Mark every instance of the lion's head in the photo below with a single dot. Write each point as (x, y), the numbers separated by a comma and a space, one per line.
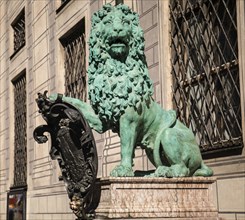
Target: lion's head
(118, 74)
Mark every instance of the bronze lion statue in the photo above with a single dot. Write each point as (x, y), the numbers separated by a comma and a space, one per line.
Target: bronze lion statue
(120, 93)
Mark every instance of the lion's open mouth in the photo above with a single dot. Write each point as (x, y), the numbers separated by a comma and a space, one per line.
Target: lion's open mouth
(118, 47)
(117, 42)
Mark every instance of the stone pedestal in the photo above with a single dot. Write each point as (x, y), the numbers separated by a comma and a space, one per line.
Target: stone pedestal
(157, 198)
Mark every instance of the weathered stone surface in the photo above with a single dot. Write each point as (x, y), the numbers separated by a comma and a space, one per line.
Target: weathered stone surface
(137, 197)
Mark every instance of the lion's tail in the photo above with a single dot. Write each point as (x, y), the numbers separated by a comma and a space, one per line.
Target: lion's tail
(156, 153)
(168, 120)
(203, 171)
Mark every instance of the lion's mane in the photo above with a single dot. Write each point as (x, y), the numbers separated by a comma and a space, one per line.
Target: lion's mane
(114, 85)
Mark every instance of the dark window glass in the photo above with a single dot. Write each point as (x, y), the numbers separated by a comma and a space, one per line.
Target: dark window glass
(117, 2)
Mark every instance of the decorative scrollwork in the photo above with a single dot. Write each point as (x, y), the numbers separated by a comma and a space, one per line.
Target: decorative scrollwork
(73, 146)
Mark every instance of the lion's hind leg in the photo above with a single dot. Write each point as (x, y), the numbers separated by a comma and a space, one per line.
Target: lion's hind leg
(204, 170)
(170, 154)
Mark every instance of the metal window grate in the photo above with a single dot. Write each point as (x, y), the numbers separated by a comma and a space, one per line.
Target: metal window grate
(75, 68)
(205, 71)
(20, 142)
(19, 31)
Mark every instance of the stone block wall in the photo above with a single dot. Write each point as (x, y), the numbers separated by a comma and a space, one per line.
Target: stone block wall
(46, 196)
(43, 59)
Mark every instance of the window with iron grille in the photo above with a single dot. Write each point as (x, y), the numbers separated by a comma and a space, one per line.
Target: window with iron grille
(19, 31)
(205, 71)
(75, 62)
(20, 141)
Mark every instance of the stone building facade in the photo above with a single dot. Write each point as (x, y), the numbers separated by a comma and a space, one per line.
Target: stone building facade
(36, 38)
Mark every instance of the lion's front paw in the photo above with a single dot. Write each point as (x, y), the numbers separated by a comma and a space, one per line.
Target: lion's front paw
(53, 97)
(161, 171)
(177, 170)
(122, 171)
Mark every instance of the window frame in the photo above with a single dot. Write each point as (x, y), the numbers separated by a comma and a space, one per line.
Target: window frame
(241, 57)
(19, 181)
(238, 149)
(71, 37)
(22, 14)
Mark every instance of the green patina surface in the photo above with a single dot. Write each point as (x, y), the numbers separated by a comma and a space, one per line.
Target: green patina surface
(120, 93)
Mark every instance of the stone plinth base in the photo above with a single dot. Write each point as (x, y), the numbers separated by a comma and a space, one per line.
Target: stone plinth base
(138, 197)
